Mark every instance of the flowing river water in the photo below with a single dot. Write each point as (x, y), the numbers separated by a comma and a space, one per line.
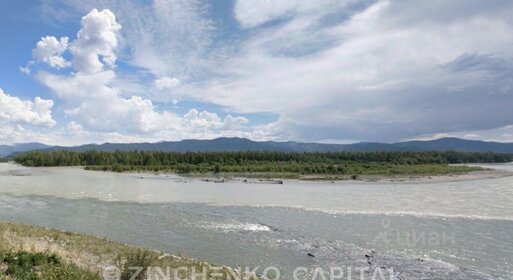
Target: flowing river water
(422, 230)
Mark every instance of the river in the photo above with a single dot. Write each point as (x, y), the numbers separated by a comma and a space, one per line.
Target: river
(452, 230)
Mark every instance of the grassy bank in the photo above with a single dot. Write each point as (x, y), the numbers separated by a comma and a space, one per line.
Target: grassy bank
(346, 171)
(27, 265)
(30, 252)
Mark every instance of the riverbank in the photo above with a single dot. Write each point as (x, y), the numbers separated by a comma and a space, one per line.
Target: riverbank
(466, 173)
(350, 171)
(437, 174)
(385, 172)
(91, 255)
(447, 178)
(262, 164)
(269, 178)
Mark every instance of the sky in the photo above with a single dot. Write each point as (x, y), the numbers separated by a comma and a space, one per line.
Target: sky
(331, 71)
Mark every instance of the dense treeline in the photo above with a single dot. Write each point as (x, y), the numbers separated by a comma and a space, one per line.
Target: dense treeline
(301, 163)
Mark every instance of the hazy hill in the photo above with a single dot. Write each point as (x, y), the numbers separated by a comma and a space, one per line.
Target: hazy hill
(6, 150)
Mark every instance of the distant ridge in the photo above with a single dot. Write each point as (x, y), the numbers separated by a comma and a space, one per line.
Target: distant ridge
(6, 150)
(242, 144)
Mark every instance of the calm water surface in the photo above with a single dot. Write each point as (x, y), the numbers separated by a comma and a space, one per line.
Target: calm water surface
(456, 230)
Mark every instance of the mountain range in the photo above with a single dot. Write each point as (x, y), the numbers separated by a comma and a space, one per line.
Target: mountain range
(7, 150)
(242, 144)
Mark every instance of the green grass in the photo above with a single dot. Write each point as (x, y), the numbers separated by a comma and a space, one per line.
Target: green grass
(35, 266)
(32, 252)
(294, 170)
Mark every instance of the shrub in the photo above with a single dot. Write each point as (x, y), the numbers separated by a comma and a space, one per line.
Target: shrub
(36, 266)
(136, 259)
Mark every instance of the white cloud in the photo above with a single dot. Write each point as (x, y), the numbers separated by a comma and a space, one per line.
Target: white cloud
(25, 70)
(50, 50)
(96, 42)
(382, 70)
(17, 134)
(17, 111)
(194, 124)
(381, 77)
(77, 87)
(96, 107)
(471, 136)
(93, 102)
(251, 13)
(166, 83)
(75, 130)
(171, 37)
(205, 120)
(231, 122)
(90, 98)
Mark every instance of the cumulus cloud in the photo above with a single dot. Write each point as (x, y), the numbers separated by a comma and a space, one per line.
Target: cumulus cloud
(75, 130)
(231, 122)
(98, 109)
(77, 87)
(17, 111)
(166, 83)
(89, 96)
(94, 103)
(16, 133)
(96, 42)
(205, 120)
(50, 50)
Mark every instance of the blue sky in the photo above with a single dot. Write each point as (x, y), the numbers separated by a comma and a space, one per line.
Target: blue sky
(330, 71)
